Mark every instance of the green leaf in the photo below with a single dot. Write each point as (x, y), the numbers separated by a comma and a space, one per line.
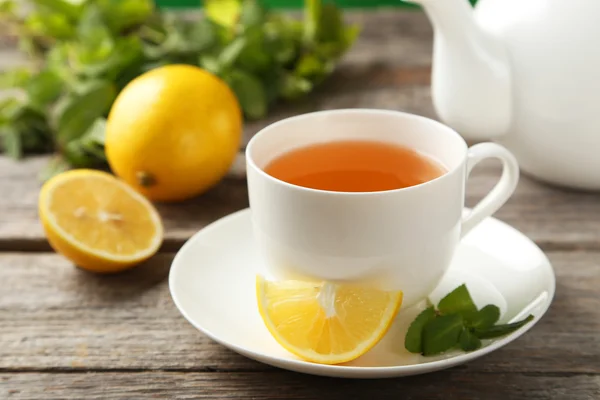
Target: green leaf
(92, 142)
(8, 109)
(331, 27)
(27, 127)
(11, 142)
(413, 340)
(182, 41)
(468, 341)
(501, 330)
(97, 132)
(54, 25)
(91, 27)
(250, 93)
(312, 67)
(202, 35)
(252, 13)
(312, 20)
(486, 317)
(44, 88)
(121, 15)
(95, 42)
(71, 9)
(230, 54)
(254, 56)
(283, 39)
(7, 7)
(127, 52)
(77, 156)
(88, 150)
(458, 301)
(223, 12)
(211, 64)
(15, 78)
(294, 87)
(76, 113)
(441, 334)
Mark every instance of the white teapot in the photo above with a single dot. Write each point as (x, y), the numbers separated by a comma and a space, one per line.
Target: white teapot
(524, 73)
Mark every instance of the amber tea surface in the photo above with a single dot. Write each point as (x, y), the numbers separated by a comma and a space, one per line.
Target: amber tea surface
(355, 166)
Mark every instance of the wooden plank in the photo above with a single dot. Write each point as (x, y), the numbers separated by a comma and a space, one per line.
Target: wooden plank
(554, 218)
(54, 317)
(454, 385)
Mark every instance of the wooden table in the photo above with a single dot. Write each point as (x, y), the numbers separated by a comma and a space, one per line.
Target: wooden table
(68, 334)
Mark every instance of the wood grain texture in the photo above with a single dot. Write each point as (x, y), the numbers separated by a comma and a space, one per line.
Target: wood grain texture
(69, 334)
(277, 385)
(554, 218)
(54, 317)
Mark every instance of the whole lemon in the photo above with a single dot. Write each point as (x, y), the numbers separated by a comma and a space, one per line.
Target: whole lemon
(173, 132)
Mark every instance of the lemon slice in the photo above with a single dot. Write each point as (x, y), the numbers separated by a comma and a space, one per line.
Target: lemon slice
(324, 322)
(97, 221)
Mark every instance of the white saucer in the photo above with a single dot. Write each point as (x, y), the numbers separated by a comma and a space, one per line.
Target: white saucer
(212, 282)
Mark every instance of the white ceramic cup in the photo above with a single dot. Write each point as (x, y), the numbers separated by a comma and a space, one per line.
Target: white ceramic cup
(401, 239)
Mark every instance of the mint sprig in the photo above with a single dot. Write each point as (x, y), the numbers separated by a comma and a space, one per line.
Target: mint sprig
(456, 323)
(83, 53)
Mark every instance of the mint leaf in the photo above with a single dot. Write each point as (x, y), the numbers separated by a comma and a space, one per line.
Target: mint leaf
(250, 93)
(255, 57)
(312, 19)
(126, 52)
(458, 301)
(51, 24)
(413, 340)
(70, 9)
(331, 27)
(202, 35)
(501, 330)
(486, 317)
(211, 64)
(230, 54)
(223, 12)
(77, 156)
(293, 87)
(310, 66)
(14, 78)
(44, 88)
(441, 334)
(123, 14)
(75, 114)
(468, 341)
(253, 13)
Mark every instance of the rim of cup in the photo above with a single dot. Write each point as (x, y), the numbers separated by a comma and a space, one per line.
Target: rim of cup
(276, 125)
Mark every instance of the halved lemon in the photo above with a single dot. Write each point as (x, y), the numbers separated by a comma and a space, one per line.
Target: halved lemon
(97, 221)
(326, 323)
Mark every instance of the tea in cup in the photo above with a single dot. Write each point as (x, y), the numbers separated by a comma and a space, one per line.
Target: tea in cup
(364, 195)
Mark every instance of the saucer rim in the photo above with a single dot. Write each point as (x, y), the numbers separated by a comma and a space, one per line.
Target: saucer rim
(351, 371)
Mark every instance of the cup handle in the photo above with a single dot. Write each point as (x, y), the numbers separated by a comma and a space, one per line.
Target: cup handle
(503, 189)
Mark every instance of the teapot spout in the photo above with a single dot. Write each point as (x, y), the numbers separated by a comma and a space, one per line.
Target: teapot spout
(471, 77)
